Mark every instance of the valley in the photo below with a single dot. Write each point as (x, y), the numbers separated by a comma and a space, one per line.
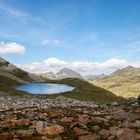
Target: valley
(88, 112)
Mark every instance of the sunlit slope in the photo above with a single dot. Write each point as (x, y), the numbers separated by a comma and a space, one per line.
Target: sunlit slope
(125, 82)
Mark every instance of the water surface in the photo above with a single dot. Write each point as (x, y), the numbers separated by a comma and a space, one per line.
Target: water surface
(44, 88)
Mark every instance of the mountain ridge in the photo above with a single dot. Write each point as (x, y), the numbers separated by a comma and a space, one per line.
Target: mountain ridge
(124, 82)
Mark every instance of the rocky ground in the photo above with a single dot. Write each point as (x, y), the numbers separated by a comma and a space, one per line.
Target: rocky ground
(23, 118)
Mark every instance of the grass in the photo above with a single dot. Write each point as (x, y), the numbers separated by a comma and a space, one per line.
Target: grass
(86, 91)
(120, 85)
(83, 90)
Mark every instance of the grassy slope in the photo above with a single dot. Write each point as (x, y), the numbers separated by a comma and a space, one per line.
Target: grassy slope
(83, 90)
(87, 91)
(7, 84)
(125, 82)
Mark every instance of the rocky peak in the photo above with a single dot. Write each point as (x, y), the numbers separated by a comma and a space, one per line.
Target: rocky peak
(65, 73)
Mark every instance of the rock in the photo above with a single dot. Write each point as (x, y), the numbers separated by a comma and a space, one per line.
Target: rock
(43, 116)
(137, 136)
(137, 110)
(83, 118)
(56, 138)
(99, 119)
(128, 134)
(55, 114)
(88, 137)
(67, 119)
(55, 129)
(113, 130)
(111, 137)
(50, 130)
(96, 128)
(9, 117)
(24, 133)
(114, 103)
(132, 101)
(127, 115)
(6, 136)
(22, 122)
(79, 131)
(104, 133)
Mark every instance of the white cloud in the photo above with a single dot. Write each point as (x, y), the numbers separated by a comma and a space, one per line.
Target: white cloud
(11, 11)
(53, 42)
(11, 48)
(18, 14)
(83, 67)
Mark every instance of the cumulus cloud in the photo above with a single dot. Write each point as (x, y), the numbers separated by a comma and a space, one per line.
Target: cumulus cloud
(11, 48)
(53, 42)
(83, 67)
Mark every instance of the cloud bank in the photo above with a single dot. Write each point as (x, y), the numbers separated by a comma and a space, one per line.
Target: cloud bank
(83, 67)
(11, 48)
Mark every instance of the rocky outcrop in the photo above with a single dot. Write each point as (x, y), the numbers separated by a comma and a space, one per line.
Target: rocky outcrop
(9, 70)
(67, 73)
(64, 118)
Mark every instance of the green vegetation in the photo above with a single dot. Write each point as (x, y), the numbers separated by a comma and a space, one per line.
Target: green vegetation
(83, 90)
(86, 91)
(7, 86)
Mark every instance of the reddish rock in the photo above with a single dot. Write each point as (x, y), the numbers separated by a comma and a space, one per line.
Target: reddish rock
(67, 119)
(128, 134)
(79, 131)
(104, 133)
(83, 118)
(9, 117)
(52, 130)
(55, 114)
(6, 136)
(42, 131)
(24, 133)
(137, 136)
(88, 137)
(55, 129)
(137, 110)
(22, 122)
(56, 138)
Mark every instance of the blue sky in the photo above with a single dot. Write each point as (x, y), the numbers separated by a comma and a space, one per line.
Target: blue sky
(70, 30)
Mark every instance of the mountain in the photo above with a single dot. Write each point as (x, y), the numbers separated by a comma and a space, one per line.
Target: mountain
(93, 77)
(11, 76)
(124, 82)
(86, 91)
(67, 73)
(48, 75)
(13, 73)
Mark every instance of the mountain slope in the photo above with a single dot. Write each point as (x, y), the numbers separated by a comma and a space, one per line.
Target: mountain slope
(125, 82)
(67, 73)
(86, 91)
(10, 71)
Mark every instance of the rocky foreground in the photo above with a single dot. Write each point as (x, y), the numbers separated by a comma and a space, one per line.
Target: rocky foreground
(23, 118)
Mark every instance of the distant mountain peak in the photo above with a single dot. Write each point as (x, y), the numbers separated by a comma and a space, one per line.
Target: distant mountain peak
(67, 73)
(129, 67)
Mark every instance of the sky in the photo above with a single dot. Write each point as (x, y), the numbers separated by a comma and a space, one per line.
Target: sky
(89, 36)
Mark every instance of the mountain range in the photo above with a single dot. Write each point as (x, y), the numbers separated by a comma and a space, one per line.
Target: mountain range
(11, 76)
(124, 82)
(63, 73)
